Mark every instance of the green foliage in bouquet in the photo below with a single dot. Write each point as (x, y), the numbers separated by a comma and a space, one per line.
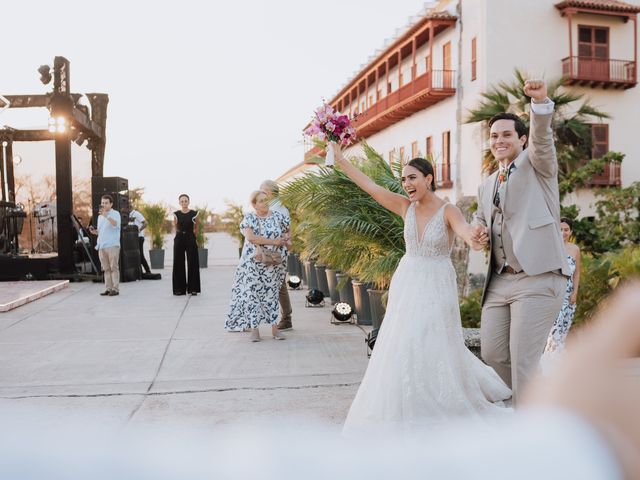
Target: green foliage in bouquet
(155, 214)
(340, 225)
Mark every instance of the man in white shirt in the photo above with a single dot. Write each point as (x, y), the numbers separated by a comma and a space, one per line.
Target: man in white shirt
(136, 218)
(108, 245)
(270, 188)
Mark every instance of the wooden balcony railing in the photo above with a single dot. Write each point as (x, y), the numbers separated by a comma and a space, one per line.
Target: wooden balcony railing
(599, 72)
(420, 93)
(609, 178)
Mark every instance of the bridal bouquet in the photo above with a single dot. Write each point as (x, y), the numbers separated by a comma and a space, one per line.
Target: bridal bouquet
(332, 127)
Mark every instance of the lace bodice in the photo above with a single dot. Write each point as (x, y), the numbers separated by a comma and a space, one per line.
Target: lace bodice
(433, 242)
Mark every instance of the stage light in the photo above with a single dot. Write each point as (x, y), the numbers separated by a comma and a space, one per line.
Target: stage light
(342, 312)
(294, 282)
(45, 73)
(315, 298)
(57, 124)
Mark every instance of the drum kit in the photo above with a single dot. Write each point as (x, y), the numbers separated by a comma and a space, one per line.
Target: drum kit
(12, 217)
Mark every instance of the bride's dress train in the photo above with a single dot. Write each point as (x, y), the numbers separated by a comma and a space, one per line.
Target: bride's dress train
(420, 373)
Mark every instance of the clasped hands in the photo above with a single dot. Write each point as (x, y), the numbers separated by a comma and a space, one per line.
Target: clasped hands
(480, 236)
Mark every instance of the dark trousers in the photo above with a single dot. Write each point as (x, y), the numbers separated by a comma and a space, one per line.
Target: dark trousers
(185, 244)
(143, 261)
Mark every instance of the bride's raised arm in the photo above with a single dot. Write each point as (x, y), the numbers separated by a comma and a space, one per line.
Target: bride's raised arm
(394, 202)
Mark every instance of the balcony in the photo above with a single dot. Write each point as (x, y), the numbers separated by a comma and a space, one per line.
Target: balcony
(443, 175)
(422, 92)
(599, 72)
(609, 178)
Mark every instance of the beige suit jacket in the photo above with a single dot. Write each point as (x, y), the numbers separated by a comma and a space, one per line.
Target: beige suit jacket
(531, 205)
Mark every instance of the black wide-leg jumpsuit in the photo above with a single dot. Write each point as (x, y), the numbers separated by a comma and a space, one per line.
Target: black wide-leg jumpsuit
(185, 243)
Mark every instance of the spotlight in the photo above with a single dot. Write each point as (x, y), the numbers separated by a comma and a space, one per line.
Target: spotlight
(294, 282)
(57, 124)
(45, 73)
(315, 298)
(341, 313)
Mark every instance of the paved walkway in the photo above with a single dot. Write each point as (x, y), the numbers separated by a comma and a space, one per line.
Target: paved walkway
(147, 357)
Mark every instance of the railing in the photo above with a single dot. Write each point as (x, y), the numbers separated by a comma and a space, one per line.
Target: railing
(605, 70)
(442, 81)
(611, 176)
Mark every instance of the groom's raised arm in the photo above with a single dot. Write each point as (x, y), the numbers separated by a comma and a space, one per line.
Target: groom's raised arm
(542, 149)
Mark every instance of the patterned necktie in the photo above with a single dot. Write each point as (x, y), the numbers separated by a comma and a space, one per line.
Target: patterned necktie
(503, 177)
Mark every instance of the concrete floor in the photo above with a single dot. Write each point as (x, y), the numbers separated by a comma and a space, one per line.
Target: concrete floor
(150, 358)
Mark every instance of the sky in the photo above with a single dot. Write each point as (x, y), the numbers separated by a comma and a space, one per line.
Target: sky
(207, 98)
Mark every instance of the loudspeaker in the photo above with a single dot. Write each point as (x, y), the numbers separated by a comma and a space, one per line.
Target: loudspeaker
(109, 184)
(130, 268)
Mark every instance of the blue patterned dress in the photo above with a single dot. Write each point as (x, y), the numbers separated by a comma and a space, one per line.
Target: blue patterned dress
(558, 335)
(254, 296)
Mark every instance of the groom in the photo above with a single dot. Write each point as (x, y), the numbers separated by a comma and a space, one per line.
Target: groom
(518, 216)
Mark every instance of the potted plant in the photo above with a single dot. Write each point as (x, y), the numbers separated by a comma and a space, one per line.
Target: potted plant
(201, 236)
(155, 214)
(231, 219)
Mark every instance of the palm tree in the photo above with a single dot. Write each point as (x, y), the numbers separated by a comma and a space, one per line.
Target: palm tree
(571, 123)
(342, 226)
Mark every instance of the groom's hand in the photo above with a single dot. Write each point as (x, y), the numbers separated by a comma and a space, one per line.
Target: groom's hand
(480, 234)
(536, 89)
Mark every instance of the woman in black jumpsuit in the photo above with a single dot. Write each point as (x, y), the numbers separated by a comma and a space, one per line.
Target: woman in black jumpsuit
(185, 243)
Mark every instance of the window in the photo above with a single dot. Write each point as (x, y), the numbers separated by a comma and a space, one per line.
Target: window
(400, 78)
(414, 149)
(370, 100)
(429, 148)
(599, 140)
(443, 168)
(446, 56)
(363, 106)
(392, 156)
(427, 63)
(389, 90)
(401, 154)
(474, 71)
(379, 94)
(593, 42)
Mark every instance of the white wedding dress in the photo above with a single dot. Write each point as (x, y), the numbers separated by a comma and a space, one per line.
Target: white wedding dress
(421, 374)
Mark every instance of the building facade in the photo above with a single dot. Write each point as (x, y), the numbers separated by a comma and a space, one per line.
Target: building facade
(413, 97)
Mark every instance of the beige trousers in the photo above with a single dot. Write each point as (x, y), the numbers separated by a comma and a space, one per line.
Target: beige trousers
(285, 304)
(109, 259)
(517, 316)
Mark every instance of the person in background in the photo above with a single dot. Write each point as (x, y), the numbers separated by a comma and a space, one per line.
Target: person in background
(271, 189)
(560, 329)
(184, 244)
(108, 245)
(254, 295)
(137, 219)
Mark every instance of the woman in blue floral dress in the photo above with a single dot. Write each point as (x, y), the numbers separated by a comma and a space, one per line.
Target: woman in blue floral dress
(558, 335)
(254, 296)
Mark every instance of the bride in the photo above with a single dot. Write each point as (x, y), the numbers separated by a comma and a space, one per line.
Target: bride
(421, 373)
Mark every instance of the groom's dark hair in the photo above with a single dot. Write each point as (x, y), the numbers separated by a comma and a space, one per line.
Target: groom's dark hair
(521, 128)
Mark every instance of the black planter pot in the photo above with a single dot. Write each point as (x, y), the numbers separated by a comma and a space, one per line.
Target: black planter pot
(156, 258)
(346, 292)
(321, 278)
(361, 301)
(310, 273)
(332, 282)
(291, 265)
(377, 308)
(203, 257)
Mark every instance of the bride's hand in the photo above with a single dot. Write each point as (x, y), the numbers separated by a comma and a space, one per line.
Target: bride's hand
(337, 150)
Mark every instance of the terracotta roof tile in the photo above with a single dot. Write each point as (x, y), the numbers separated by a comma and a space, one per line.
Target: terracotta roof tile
(609, 5)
